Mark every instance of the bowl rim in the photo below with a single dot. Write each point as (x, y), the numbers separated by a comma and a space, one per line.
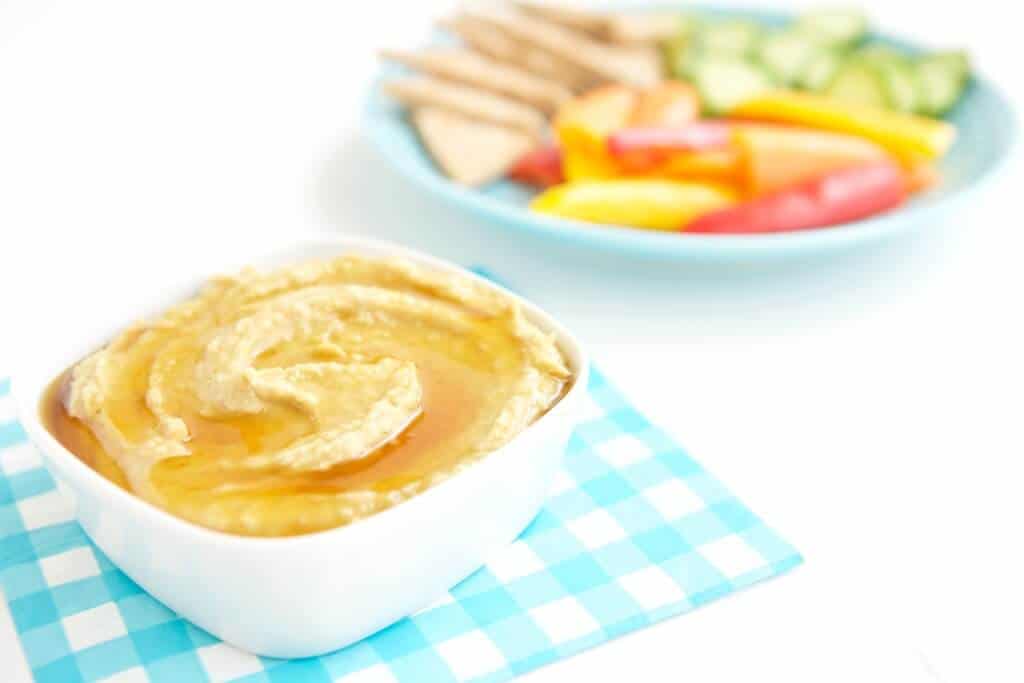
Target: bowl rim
(28, 391)
(657, 244)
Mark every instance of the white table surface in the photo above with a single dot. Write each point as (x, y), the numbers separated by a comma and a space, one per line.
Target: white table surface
(868, 406)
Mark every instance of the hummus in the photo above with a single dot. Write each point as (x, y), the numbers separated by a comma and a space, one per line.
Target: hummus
(285, 402)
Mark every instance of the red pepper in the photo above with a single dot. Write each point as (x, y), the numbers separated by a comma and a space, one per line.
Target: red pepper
(541, 167)
(695, 137)
(838, 197)
(639, 149)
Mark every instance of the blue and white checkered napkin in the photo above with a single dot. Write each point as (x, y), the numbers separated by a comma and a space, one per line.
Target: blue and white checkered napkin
(635, 532)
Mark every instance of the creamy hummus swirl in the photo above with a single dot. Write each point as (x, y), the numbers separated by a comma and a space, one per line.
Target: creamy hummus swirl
(284, 402)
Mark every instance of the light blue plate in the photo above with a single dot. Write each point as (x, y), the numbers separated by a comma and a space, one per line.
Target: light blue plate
(986, 131)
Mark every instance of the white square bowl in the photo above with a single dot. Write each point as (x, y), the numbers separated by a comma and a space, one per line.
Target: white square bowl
(306, 595)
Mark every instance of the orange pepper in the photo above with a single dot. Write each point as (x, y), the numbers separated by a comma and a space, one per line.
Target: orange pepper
(668, 104)
(921, 177)
(720, 165)
(775, 157)
(584, 123)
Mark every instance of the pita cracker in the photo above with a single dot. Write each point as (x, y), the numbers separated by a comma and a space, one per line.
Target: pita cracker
(574, 17)
(469, 151)
(617, 27)
(636, 66)
(643, 27)
(426, 91)
(494, 43)
(487, 74)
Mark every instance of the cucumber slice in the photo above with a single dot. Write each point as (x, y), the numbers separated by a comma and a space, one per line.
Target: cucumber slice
(679, 50)
(859, 84)
(732, 37)
(672, 51)
(725, 82)
(942, 80)
(895, 70)
(680, 55)
(955, 60)
(787, 54)
(820, 71)
(688, 24)
(877, 53)
(902, 86)
(885, 82)
(834, 26)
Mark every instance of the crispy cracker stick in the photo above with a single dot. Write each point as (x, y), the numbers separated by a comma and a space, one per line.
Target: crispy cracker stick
(634, 66)
(480, 72)
(618, 27)
(493, 43)
(643, 28)
(469, 151)
(577, 18)
(423, 91)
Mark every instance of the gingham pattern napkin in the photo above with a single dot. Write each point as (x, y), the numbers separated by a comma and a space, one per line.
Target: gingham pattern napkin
(635, 532)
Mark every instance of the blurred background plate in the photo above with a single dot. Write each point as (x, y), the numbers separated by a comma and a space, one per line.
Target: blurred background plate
(986, 130)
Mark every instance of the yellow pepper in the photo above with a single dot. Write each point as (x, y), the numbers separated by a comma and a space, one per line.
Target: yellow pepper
(578, 164)
(584, 122)
(904, 135)
(640, 203)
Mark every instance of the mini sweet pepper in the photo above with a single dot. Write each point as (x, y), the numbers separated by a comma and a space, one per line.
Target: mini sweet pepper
(838, 197)
(640, 203)
(905, 135)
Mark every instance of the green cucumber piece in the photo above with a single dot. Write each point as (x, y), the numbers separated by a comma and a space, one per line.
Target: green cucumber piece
(942, 80)
(680, 55)
(859, 84)
(787, 54)
(955, 60)
(902, 86)
(672, 51)
(678, 51)
(732, 37)
(725, 82)
(897, 73)
(688, 24)
(877, 53)
(820, 71)
(887, 84)
(834, 26)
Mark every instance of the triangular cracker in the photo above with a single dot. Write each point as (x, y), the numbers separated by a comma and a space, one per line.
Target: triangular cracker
(478, 71)
(618, 27)
(638, 66)
(471, 102)
(470, 152)
(494, 43)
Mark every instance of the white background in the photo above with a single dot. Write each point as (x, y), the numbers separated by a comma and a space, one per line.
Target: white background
(868, 406)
